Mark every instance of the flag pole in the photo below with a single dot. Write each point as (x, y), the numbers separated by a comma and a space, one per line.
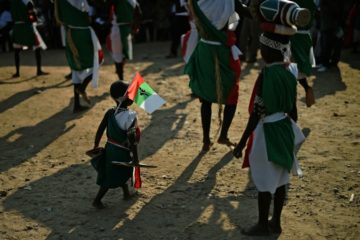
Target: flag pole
(122, 97)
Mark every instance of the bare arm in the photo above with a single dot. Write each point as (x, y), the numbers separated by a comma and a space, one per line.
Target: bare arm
(255, 116)
(101, 129)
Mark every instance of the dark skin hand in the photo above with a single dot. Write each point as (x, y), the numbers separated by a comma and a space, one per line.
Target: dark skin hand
(251, 125)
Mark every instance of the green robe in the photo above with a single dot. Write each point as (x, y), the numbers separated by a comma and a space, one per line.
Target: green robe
(279, 95)
(23, 32)
(301, 43)
(79, 45)
(111, 175)
(206, 59)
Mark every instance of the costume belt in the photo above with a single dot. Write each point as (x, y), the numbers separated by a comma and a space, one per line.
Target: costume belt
(235, 51)
(210, 42)
(303, 31)
(275, 63)
(274, 117)
(123, 23)
(113, 142)
(78, 27)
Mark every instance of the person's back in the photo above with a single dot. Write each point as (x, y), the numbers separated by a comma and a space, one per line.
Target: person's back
(122, 135)
(73, 15)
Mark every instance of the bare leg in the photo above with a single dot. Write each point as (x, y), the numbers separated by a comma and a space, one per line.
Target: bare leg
(81, 89)
(279, 198)
(17, 62)
(38, 63)
(120, 70)
(309, 94)
(126, 192)
(206, 122)
(97, 201)
(262, 227)
(229, 113)
(77, 106)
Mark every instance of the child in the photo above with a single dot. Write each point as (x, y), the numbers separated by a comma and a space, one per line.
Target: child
(121, 146)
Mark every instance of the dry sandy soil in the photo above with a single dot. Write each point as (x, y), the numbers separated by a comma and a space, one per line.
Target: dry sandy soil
(47, 183)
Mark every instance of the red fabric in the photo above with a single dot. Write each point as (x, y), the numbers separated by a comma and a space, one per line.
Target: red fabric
(235, 67)
(349, 29)
(134, 86)
(184, 43)
(137, 178)
(101, 56)
(267, 27)
(32, 17)
(108, 38)
(37, 42)
(108, 43)
(246, 162)
(138, 134)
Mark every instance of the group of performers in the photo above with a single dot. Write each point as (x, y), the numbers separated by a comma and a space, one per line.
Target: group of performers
(25, 34)
(84, 56)
(82, 48)
(213, 66)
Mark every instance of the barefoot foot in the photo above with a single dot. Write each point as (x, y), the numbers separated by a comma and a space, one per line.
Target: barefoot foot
(98, 205)
(257, 230)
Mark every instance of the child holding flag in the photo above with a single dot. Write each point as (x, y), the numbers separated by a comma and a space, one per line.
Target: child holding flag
(121, 147)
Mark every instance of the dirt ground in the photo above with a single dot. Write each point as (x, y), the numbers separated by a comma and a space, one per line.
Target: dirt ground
(47, 183)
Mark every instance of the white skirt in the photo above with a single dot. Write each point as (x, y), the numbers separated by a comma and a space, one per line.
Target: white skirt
(266, 175)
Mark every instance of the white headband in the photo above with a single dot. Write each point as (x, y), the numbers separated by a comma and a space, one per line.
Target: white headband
(283, 48)
(273, 44)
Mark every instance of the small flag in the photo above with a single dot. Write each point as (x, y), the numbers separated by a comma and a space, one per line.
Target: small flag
(143, 95)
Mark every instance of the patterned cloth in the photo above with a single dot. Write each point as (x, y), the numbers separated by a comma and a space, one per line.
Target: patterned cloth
(271, 147)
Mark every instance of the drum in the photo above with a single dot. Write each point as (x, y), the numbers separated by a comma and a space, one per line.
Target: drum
(283, 12)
